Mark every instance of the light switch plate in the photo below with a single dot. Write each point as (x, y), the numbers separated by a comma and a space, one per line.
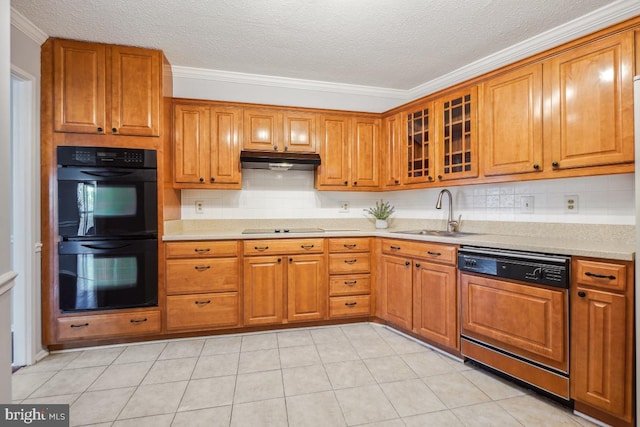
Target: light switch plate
(526, 204)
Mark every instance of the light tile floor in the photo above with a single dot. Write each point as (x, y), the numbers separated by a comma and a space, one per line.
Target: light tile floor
(357, 374)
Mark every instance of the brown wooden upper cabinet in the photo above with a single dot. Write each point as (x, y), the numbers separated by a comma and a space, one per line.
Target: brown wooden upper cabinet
(418, 145)
(206, 146)
(511, 122)
(276, 130)
(349, 149)
(456, 136)
(106, 89)
(590, 91)
(392, 151)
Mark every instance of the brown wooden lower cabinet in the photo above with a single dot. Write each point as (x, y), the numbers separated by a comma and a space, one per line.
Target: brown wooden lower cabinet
(114, 325)
(209, 311)
(350, 277)
(602, 339)
(396, 274)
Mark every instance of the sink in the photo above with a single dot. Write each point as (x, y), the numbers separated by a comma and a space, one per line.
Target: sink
(441, 233)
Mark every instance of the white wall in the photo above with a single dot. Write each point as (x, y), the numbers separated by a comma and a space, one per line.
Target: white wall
(268, 194)
(5, 212)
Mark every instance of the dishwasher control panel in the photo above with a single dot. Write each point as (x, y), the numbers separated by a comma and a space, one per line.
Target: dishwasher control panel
(550, 270)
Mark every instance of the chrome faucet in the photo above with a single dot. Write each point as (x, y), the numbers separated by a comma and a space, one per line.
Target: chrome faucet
(452, 226)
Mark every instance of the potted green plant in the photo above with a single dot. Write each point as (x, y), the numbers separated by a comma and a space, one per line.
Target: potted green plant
(381, 212)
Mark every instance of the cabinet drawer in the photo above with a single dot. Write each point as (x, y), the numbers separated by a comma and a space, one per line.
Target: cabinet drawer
(354, 244)
(349, 263)
(202, 311)
(435, 252)
(283, 246)
(202, 249)
(359, 305)
(356, 284)
(109, 325)
(601, 274)
(187, 276)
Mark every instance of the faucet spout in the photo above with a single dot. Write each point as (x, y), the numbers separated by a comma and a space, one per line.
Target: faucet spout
(452, 225)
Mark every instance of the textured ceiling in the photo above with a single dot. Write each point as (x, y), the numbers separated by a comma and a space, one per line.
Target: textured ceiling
(396, 44)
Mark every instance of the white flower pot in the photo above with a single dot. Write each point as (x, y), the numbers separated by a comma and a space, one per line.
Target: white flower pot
(381, 223)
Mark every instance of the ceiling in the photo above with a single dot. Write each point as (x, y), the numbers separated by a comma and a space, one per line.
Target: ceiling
(388, 44)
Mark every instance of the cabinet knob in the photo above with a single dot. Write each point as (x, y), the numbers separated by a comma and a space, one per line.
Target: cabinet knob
(440, 177)
(417, 265)
(536, 166)
(279, 260)
(430, 178)
(290, 260)
(346, 183)
(407, 263)
(275, 148)
(213, 179)
(555, 164)
(582, 294)
(100, 130)
(114, 130)
(355, 182)
(396, 182)
(201, 179)
(286, 148)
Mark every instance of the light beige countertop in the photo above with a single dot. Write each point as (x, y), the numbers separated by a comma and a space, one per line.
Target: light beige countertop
(598, 241)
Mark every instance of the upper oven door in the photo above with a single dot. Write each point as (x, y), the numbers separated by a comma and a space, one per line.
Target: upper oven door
(98, 202)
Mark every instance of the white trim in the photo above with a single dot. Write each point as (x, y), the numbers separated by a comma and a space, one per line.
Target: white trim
(6, 281)
(19, 21)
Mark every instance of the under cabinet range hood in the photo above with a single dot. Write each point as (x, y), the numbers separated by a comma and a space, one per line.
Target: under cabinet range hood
(279, 161)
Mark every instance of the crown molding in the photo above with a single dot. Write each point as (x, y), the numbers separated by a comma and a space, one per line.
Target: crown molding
(27, 27)
(584, 25)
(285, 82)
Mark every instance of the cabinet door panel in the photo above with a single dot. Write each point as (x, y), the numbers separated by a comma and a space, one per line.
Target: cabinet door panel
(191, 139)
(335, 140)
(392, 151)
(599, 350)
(592, 103)
(263, 290)
(225, 146)
(306, 288)
(79, 87)
(135, 91)
(418, 144)
(397, 278)
(435, 303)
(300, 132)
(512, 122)
(366, 148)
(262, 130)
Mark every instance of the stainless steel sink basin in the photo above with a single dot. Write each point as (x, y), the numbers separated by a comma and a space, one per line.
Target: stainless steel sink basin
(441, 233)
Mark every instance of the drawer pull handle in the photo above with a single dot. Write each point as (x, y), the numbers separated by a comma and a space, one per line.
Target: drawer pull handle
(202, 251)
(395, 248)
(434, 253)
(307, 246)
(600, 276)
(350, 282)
(350, 304)
(350, 261)
(81, 325)
(138, 320)
(202, 267)
(350, 246)
(203, 302)
(261, 248)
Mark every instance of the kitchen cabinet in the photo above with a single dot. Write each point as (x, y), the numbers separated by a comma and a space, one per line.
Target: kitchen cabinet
(106, 89)
(202, 285)
(279, 130)
(418, 285)
(602, 331)
(95, 326)
(511, 111)
(349, 149)
(285, 280)
(590, 93)
(457, 134)
(206, 146)
(349, 277)
(392, 151)
(418, 144)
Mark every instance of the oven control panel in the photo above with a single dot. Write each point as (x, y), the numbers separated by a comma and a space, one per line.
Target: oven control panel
(550, 270)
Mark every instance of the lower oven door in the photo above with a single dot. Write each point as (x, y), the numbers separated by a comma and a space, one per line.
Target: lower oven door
(107, 274)
(530, 322)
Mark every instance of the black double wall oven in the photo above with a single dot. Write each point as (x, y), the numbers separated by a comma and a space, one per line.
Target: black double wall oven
(108, 228)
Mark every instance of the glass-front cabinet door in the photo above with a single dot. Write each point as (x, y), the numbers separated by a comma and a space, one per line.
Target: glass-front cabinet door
(457, 136)
(419, 145)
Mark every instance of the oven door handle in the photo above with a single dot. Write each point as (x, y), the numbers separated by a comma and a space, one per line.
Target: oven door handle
(107, 246)
(107, 174)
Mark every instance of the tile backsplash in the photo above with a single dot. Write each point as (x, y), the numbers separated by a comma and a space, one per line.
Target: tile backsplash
(605, 199)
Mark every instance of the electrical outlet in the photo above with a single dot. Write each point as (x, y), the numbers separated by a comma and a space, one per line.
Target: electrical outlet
(526, 204)
(571, 204)
(199, 207)
(344, 207)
